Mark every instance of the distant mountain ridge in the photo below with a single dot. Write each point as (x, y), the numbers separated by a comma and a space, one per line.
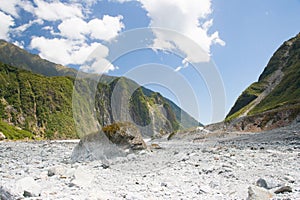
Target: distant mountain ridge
(274, 100)
(36, 97)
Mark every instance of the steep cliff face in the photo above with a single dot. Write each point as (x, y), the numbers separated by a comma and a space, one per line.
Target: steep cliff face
(273, 100)
(41, 105)
(41, 102)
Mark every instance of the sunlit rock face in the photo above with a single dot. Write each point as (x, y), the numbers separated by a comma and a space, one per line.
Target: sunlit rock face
(115, 140)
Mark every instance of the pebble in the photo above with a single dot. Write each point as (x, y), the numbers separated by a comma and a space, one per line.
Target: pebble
(283, 189)
(258, 193)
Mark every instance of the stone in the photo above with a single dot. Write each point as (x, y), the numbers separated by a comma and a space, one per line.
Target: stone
(2, 136)
(82, 178)
(155, 146)
(5, 195)
(56, 170)
(289, 179)
(95, 146)
(163, 185)
(283, 189)
(111, 142)
(262, 183)
(131, 156)
(28, 186)
(125, 135)
(258, 193)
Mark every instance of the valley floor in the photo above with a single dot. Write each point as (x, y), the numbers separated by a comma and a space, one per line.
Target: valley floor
(191, 167)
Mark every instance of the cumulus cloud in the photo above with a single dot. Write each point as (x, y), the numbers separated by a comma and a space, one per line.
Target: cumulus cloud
(101, 29)
(97, 62)
(56, 10)
(6, 21)
(62, 51)
(9, 7)
(190, 18)
(66, 52)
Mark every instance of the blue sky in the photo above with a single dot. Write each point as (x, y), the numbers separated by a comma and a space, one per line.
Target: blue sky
(237, 38)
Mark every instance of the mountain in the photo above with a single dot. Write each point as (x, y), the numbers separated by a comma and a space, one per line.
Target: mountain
(274, 100)
(37, 100)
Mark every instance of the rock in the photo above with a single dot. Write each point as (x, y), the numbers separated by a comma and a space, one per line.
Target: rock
(95, 146)
(57, 170)
(289, 179)
(155, 146)
(131, 156)
(105, 166)
(262, 183)
(258, 193)
(125, 135)
(28, 186)
(27, 194)
(4, 195)
(82, 178)
(2, 136)
(164, 185)
(283, 189)
(111, 142)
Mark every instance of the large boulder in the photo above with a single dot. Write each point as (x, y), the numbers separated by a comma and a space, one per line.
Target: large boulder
(113, 141)
(125, 135)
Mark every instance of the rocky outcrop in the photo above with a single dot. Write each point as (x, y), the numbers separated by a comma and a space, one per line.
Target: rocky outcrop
(274, 100)
(114, 140)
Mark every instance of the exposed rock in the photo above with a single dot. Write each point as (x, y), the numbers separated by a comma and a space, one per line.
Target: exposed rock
(113, 141)
(28, 186)
(2, 136)
(82, 178)
(155, 146)
(125, 135)
(258, 193)
(283, 189)
(57, 170)
(262, 183)
(4, 195)
(95, 147)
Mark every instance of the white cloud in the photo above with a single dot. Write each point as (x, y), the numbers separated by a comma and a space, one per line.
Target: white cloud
(107, 28)
(9, 7)
(74, 28)
(66, 52)
(101, 29)
(56, 10)
(6, 21)
(97, 62)
(62, 51)
(184, 17)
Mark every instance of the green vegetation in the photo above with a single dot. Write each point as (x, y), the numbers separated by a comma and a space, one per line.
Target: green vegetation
(14, 133)
(241, 105)
(285, 95)
(36, 95)
(38, 104)
(139, 110)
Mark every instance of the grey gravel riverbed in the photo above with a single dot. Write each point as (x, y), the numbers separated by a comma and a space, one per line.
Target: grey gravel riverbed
(235, 166)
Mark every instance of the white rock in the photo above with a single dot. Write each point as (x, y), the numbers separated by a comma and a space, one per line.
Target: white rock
(57, 170)
(2, 136)
(131, 156)
(82, 178)
(258, 193)
(28, 184)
